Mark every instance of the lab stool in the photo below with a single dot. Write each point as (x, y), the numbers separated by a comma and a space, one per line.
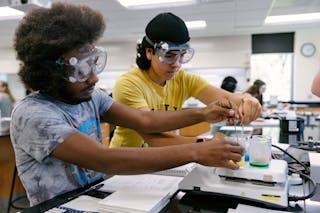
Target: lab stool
(11, 201)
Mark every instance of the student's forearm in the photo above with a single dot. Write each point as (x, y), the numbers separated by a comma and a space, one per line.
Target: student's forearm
(210, 94)
(154, 121)
(147, 160)
(167, 139)
(164, 121)
(161, 121)
(81, 150)
(237, 98)
(147, 122)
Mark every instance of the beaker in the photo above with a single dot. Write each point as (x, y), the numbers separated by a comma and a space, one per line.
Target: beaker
(260, 150)
(243, 140)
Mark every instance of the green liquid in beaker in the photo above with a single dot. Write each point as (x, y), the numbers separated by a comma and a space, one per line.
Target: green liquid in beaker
(259, 164)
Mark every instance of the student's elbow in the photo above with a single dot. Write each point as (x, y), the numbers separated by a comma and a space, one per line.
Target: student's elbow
(315, 90)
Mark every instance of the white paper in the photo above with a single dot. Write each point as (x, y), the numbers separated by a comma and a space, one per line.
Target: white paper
(237, 128)
(83, 203)
(142, 182)
(265, 123)
(134, 201)
(180, 171)
(231, 211)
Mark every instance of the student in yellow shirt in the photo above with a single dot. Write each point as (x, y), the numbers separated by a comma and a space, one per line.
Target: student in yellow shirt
(159, 83)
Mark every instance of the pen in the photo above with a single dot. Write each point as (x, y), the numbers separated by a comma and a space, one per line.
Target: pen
(95, 187)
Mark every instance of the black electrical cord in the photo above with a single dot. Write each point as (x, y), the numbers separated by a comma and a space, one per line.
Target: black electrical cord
(296, 160)
(315, 187)
(293, 169)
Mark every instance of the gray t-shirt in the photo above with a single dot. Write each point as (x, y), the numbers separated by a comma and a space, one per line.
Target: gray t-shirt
(39, 124)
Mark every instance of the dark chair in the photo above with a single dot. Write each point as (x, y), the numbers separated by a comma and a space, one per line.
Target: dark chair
(11, 201)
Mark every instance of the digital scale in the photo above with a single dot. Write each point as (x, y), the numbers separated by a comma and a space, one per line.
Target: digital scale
(268, 185)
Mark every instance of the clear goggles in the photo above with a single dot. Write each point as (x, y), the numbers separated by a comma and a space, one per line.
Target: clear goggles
(169, 52)
(83, 65)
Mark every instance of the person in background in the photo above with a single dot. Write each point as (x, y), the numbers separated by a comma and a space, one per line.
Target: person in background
(7, 100)
(4, 87)
(315, 86)
(257, 90)
(229, 84)
(159, 83)
(55, 131)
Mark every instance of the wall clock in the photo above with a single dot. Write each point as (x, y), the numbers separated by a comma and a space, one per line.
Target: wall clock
(308, 49)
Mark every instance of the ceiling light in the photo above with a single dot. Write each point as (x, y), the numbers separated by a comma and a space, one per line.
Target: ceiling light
(39, 3)
(294, 18)
(7, 13)
(196, 24)
(145, 4)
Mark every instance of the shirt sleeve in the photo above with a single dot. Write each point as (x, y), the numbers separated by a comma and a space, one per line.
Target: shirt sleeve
(195, 83)
(130, 90)
(39, 131)
(103, 100)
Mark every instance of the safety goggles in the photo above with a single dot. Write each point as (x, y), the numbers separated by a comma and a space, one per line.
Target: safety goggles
(170, 52)
(83, 65)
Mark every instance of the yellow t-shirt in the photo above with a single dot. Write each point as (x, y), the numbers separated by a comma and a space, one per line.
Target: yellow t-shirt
(137, 90)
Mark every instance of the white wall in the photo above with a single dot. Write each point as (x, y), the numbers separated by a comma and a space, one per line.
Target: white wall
(210, 52)
(305, 68)
(10, 66)
(8, 62)
(221, 52)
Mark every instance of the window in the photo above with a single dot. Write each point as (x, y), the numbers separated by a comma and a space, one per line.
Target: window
(276, 70)
(272, 62)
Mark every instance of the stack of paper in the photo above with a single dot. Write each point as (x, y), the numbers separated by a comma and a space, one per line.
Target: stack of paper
(146, 182)
(237, 128)
(134, 201)
(83, 203)
(138, 193)
(265, 123)
(180, 171)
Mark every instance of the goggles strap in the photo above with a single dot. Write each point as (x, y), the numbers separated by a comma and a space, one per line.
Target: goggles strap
(150, 42)
(59, 63)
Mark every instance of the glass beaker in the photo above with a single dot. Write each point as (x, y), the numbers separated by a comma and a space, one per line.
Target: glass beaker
(260, 150)
(243, 140)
